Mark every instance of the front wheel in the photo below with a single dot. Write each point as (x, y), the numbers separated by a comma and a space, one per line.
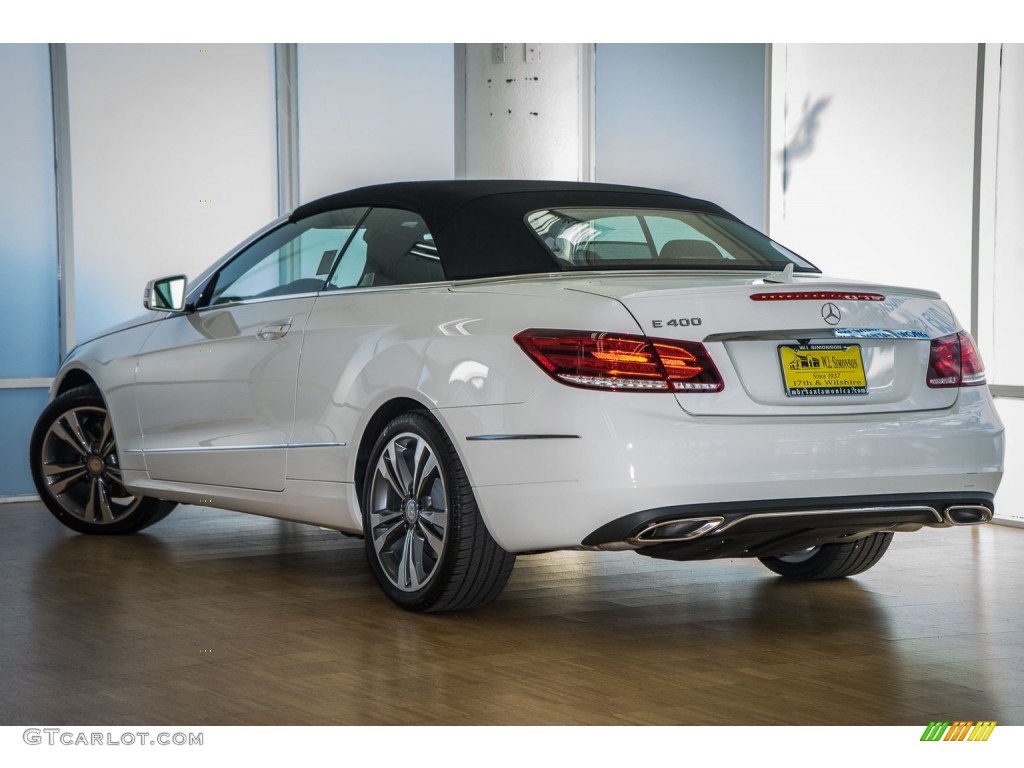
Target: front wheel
(73, 457)
(426, 542)
(830, 561)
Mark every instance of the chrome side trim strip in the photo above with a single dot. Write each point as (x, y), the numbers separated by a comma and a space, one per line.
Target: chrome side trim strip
(783, 335)
(245, 302)
(207, 448)
(523, 437)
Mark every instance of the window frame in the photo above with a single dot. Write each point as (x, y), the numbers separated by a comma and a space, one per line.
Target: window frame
(203, 301)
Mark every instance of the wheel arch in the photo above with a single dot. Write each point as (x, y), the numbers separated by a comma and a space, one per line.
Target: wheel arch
(385, 412)
(72, 378)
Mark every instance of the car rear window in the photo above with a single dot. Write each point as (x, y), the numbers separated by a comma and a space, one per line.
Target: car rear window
(621, 238)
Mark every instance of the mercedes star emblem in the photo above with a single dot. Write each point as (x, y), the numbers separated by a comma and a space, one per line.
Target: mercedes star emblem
(830, 313)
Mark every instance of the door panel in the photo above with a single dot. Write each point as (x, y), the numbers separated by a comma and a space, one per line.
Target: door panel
(216, 393)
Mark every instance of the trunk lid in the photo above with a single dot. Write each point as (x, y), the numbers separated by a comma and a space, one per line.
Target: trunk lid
(844, 356)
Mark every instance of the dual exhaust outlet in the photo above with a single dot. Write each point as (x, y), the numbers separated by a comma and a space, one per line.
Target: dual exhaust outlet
(688, 529)
(967, 514)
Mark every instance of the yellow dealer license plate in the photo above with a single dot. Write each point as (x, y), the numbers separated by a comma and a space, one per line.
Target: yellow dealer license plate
(823, 370)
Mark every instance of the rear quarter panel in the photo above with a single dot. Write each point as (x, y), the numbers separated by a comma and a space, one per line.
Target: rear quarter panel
(444, 348)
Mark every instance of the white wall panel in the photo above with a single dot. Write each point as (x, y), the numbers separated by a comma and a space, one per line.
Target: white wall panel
(1010, 498)
(1008, 270)
(374, 113)
(873, 171)
(687, 118)
(173, 162)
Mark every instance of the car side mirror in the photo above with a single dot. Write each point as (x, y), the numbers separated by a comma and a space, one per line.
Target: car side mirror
(165, 294)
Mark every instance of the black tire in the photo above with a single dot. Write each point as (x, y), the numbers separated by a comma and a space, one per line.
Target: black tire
(831, 561)
(428, 547)
(74, 462)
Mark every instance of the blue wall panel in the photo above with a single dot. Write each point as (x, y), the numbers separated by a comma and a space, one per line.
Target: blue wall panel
(19, 409)
(28, 252)
(28, 225)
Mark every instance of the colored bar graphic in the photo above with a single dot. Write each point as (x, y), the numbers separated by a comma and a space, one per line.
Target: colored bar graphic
(960, 730)
(935, 730)
(982, 730)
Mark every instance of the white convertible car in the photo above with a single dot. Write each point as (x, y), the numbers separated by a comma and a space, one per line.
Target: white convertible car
(461, 372)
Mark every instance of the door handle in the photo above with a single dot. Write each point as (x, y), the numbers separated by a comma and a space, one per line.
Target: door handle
(274, 331)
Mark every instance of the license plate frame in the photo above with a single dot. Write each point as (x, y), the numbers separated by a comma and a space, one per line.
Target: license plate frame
(822, 370)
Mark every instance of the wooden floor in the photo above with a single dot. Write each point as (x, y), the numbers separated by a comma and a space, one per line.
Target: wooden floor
(216, 618)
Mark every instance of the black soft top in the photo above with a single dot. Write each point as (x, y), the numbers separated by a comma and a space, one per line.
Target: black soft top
(479, 226)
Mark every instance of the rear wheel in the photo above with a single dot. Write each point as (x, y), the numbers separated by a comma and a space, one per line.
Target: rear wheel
(426, 542)
(73, 456)
(830, 561)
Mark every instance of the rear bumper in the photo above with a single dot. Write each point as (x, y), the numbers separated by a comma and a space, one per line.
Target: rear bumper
(589, 459)
(761, 528)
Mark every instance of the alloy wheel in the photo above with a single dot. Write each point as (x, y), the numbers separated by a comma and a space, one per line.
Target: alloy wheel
(409, 512)
(80, 469)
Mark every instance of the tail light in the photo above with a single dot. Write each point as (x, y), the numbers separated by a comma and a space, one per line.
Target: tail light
(954, 362)
(816, 296)
(616, 361)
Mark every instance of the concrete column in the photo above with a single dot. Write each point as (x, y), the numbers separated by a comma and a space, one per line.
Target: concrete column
(526, 111)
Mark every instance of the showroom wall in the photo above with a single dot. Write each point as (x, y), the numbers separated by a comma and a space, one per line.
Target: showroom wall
(873, 159)
(173, 161)
(687, 118)
(872, 176)
(174, 155)
(28, 254)
(1001, 331)
(370, 114)
(1002, 265)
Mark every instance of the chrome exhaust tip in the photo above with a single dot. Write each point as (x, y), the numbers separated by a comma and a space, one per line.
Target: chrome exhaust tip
(671, 531)
(967, 514)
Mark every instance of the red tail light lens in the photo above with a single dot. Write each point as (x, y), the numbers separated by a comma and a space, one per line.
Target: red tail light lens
(954, 362)
(972, 369)
(616, 361)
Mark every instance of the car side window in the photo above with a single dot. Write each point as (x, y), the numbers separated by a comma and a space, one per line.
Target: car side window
(390, 247)
(295, 258)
